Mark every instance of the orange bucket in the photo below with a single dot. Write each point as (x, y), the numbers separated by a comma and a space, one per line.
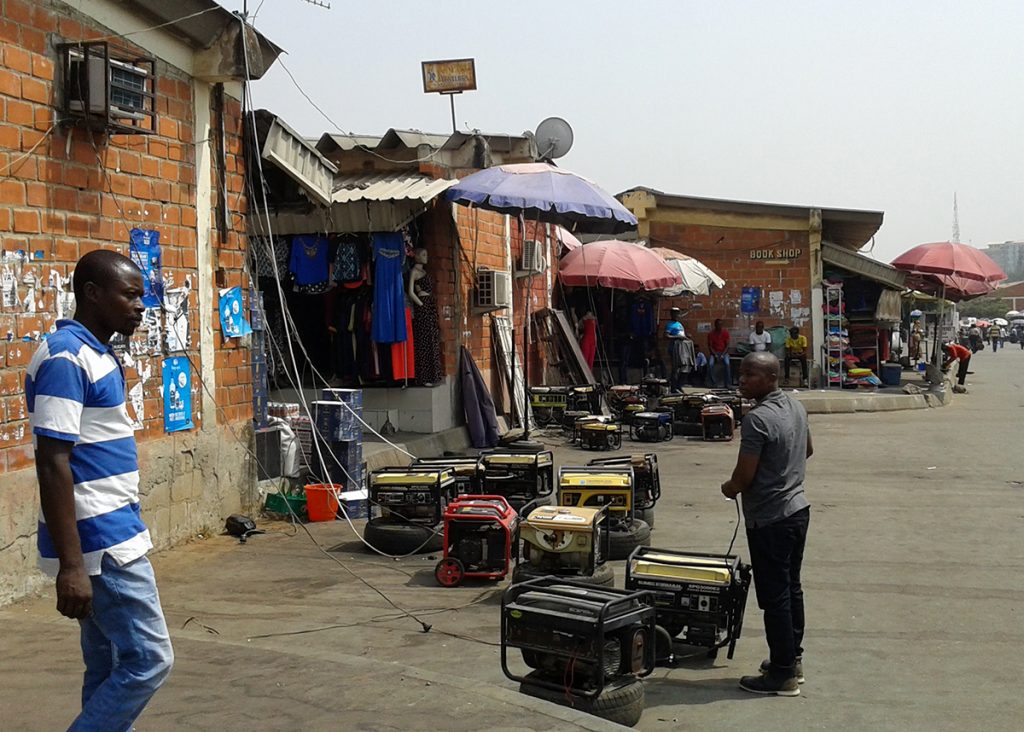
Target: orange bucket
(322, 502)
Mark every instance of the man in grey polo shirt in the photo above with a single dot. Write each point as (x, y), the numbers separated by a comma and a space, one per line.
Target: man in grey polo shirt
(769, 473)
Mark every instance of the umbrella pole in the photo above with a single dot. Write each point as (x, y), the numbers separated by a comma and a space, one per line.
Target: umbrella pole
(526, 337)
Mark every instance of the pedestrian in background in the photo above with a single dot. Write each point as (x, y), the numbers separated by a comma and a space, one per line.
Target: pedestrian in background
(760, 339)
(993, 336)
(769, 475)
(956, 352)
(718, 352)
(92, 538)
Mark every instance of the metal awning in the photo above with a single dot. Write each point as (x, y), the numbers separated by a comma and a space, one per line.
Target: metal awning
(879, 272)
(364, 204)
(287, 150)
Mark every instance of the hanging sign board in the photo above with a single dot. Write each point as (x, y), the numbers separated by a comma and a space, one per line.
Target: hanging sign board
(449, 77)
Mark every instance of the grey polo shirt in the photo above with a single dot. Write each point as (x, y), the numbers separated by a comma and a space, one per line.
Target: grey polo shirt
(776, 431)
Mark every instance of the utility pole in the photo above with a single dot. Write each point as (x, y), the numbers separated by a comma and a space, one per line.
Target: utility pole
(956, 221)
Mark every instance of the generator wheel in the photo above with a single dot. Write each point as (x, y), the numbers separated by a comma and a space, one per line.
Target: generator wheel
(603, 576)
(646, 515)
(621, 702)
(449, 572)
(402, 538)
(622, 543)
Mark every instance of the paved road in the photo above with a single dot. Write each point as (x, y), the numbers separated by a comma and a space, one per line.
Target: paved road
(914, 582)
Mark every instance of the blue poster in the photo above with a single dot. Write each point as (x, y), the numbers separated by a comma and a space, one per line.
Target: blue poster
(232, 317)
(145, 251)
(177, 395)
(750, 301)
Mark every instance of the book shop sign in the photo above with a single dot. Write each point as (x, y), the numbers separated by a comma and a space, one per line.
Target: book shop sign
(776, 256)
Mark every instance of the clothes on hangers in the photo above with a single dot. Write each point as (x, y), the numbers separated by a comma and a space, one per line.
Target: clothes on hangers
(309, 260)
(389, 321)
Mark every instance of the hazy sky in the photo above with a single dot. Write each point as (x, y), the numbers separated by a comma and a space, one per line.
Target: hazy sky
(890, 106)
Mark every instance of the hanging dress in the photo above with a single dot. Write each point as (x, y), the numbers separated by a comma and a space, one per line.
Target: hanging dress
(427, 334)
(588, 342)
(389, 322)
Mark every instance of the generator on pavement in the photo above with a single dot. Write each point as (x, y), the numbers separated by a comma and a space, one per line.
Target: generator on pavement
(465, 469)
(411, 501)
(651, 426)
(522, 477)
(548, 404)
(480, 539)
(646, 481)
(699, 598)
(611, 487)
(588, 647)
(565, 542)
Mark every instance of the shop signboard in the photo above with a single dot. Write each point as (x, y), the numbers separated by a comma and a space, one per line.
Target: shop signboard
(451, 76)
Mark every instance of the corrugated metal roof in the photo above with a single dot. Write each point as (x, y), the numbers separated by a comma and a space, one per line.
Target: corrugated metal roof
(345, 142)
(865, 266)
(389, 187)
(284, 147)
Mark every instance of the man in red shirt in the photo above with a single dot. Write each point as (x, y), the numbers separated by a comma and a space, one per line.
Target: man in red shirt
(956, 352)
(718, 350)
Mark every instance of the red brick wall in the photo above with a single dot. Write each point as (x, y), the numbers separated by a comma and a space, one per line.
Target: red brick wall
(727, 251)
(79, 191)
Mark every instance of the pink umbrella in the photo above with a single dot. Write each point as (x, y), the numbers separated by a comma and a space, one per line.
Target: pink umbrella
(950, 258)
(622, 265)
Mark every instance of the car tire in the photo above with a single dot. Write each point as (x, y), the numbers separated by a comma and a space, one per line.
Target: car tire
(603, 576)
(622, 703)
(622, 543)
(402, 538)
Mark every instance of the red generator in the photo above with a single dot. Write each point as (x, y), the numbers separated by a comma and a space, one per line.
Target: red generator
(717, 422)
(480, 539)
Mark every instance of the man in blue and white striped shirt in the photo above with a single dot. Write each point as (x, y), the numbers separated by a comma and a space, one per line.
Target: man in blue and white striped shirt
(91, 534)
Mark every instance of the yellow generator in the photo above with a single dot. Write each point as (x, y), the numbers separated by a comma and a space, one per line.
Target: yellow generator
(521, 477)
(412, 501)
(699, 598)
(565, 542)
(610, 487)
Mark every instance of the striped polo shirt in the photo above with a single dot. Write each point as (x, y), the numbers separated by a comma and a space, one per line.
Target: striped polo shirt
(75, 389)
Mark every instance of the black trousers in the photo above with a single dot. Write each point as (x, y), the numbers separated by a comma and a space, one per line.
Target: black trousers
(961, 370)
(776, 554)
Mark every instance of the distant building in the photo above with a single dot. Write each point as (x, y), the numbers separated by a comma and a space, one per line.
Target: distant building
(1010, 256)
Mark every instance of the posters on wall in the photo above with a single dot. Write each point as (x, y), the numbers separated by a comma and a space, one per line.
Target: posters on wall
(750, 300)
(145, 252)
(177, 394)
(232, 316)
(176, 316)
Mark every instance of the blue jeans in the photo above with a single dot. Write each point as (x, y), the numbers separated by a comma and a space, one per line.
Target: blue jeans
(713, 359)
(125, 646)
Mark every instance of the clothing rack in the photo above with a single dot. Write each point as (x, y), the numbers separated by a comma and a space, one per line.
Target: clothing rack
(833, 346)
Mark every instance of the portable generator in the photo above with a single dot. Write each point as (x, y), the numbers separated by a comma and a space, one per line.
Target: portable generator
(700, 598)
(622, 396)
(646, 481)
(569, 419)
(480, 539)
(609, 487)
(412, 502)
(730, 398)
(465, 468)
(565, 542)
(631, 410)
(585, 397)
(599, 435)
(651, 427)
(548, 403)
(521, 477)
(654, 389)
(717, 422)
(675, 403)
(588, 647)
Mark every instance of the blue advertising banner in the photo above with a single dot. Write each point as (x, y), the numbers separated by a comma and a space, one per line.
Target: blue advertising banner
(145, 252)
(232, 317)
(750, 300)
(177, 395)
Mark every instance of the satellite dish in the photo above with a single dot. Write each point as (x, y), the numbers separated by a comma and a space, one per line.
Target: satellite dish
(554, 138)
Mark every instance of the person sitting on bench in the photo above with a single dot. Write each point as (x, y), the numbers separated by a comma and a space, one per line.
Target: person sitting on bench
(796, 350)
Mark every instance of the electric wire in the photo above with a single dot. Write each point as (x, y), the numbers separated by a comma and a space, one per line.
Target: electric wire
(24, 156)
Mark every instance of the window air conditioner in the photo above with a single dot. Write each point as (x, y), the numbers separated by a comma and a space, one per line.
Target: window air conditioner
(493, 289)
(87, 86)
(533, 260)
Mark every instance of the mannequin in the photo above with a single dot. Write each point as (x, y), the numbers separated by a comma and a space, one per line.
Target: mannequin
(426, 332)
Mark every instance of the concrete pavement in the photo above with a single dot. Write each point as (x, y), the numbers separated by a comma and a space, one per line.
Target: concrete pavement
(913, 576)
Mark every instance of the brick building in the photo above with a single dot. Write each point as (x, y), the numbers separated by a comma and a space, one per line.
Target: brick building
(781, 252)
(382, 183)
(136, 124)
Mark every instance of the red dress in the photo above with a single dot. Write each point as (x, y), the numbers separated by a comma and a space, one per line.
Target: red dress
(588, 343)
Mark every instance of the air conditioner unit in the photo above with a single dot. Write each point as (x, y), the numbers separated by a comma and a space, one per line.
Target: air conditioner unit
(533, 260)
(117, 93)
(493, 289)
